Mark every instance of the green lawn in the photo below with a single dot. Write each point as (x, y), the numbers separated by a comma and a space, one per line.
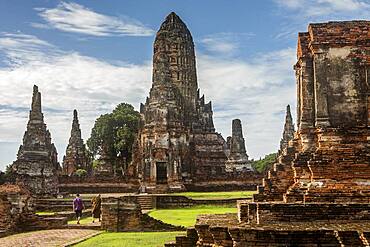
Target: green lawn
(187, 216)
(45, 213)
(83, 221)
(130, 239)
(217, 195)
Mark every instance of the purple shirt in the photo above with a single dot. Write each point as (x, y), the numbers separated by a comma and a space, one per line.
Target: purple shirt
(78, 204)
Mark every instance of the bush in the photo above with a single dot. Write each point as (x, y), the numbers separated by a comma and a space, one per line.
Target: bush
(81, 173)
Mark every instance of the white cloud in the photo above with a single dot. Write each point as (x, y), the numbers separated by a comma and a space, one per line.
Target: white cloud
(224, 43)
(67, 80)
(318, 8)
(75, 18)
(21, 48)
(299, 13)
(256, 91)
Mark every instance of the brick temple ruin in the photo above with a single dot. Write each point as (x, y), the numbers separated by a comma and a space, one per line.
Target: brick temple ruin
(288, 132)
(76, 154)
(237, 158)
(177, 147)
(37, 166)
(177, 143)
(318, 191)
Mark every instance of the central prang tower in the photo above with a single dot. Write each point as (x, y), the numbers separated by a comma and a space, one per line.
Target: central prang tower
(174, 55)
(177, 142)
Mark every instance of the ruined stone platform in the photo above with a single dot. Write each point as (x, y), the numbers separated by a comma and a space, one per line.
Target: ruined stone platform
(225, 230)
(317, 192)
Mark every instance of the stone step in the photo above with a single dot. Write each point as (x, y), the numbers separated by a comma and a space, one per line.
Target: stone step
(349, 238)
(146, 202)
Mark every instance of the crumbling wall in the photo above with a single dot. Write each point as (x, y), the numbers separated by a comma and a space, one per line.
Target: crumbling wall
(18, 214)
(124, 214)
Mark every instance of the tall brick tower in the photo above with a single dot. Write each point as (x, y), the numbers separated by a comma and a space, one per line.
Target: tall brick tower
(177, 135)
(37, 164)
(76, 154)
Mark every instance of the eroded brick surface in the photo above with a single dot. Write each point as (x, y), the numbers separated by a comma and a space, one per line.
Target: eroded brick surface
(37, 164)
(76, 153)
(177, 142)
(318, 191)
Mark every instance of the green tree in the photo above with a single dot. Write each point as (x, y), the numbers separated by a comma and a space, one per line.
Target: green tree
(264, 164)
(7, 176)
(113, 134)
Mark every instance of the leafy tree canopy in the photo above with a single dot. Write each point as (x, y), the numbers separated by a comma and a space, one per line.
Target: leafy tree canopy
(114, 134)
(264, 164)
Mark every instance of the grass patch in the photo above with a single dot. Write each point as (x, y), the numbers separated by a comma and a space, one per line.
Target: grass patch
(83, 221)
(129, 239)
(217, 195)
(187, 216)
(45, 213)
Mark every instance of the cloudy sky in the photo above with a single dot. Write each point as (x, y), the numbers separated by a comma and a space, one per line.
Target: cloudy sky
(92, 55)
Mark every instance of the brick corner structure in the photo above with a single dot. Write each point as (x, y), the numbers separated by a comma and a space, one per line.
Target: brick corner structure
(17, 212)
(318, 191)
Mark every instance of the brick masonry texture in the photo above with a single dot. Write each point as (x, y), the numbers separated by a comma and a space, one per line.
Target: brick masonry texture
(318, 191)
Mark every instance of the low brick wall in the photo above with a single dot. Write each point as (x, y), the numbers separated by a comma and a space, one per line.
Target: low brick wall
(96, 188)
(265, 212)
(224, 185)
(17, 212)
(124, 214)
(174, 201)
(33, 222)
(207, 235)
(58, 205)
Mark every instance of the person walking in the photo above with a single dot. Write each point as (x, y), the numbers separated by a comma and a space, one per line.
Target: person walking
(78, 206)
(96, 207)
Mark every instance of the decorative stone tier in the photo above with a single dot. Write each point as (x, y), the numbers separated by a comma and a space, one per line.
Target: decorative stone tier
(266, 212)
(224, 230)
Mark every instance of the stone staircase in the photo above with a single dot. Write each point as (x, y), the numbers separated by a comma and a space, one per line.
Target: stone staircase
(58, 205)
(350, 238)
(146, 202)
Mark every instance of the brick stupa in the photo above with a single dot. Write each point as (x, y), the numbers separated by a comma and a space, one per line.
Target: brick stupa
(237, 154)
(76, 153)
(37, 164)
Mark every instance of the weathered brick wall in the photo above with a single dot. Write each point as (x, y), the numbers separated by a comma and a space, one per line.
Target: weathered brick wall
(250, 237)
(17, 212)
(57, 205)
(330, 156)
(97, 184)
(172, 201)
(262, 213)
(124, 214)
